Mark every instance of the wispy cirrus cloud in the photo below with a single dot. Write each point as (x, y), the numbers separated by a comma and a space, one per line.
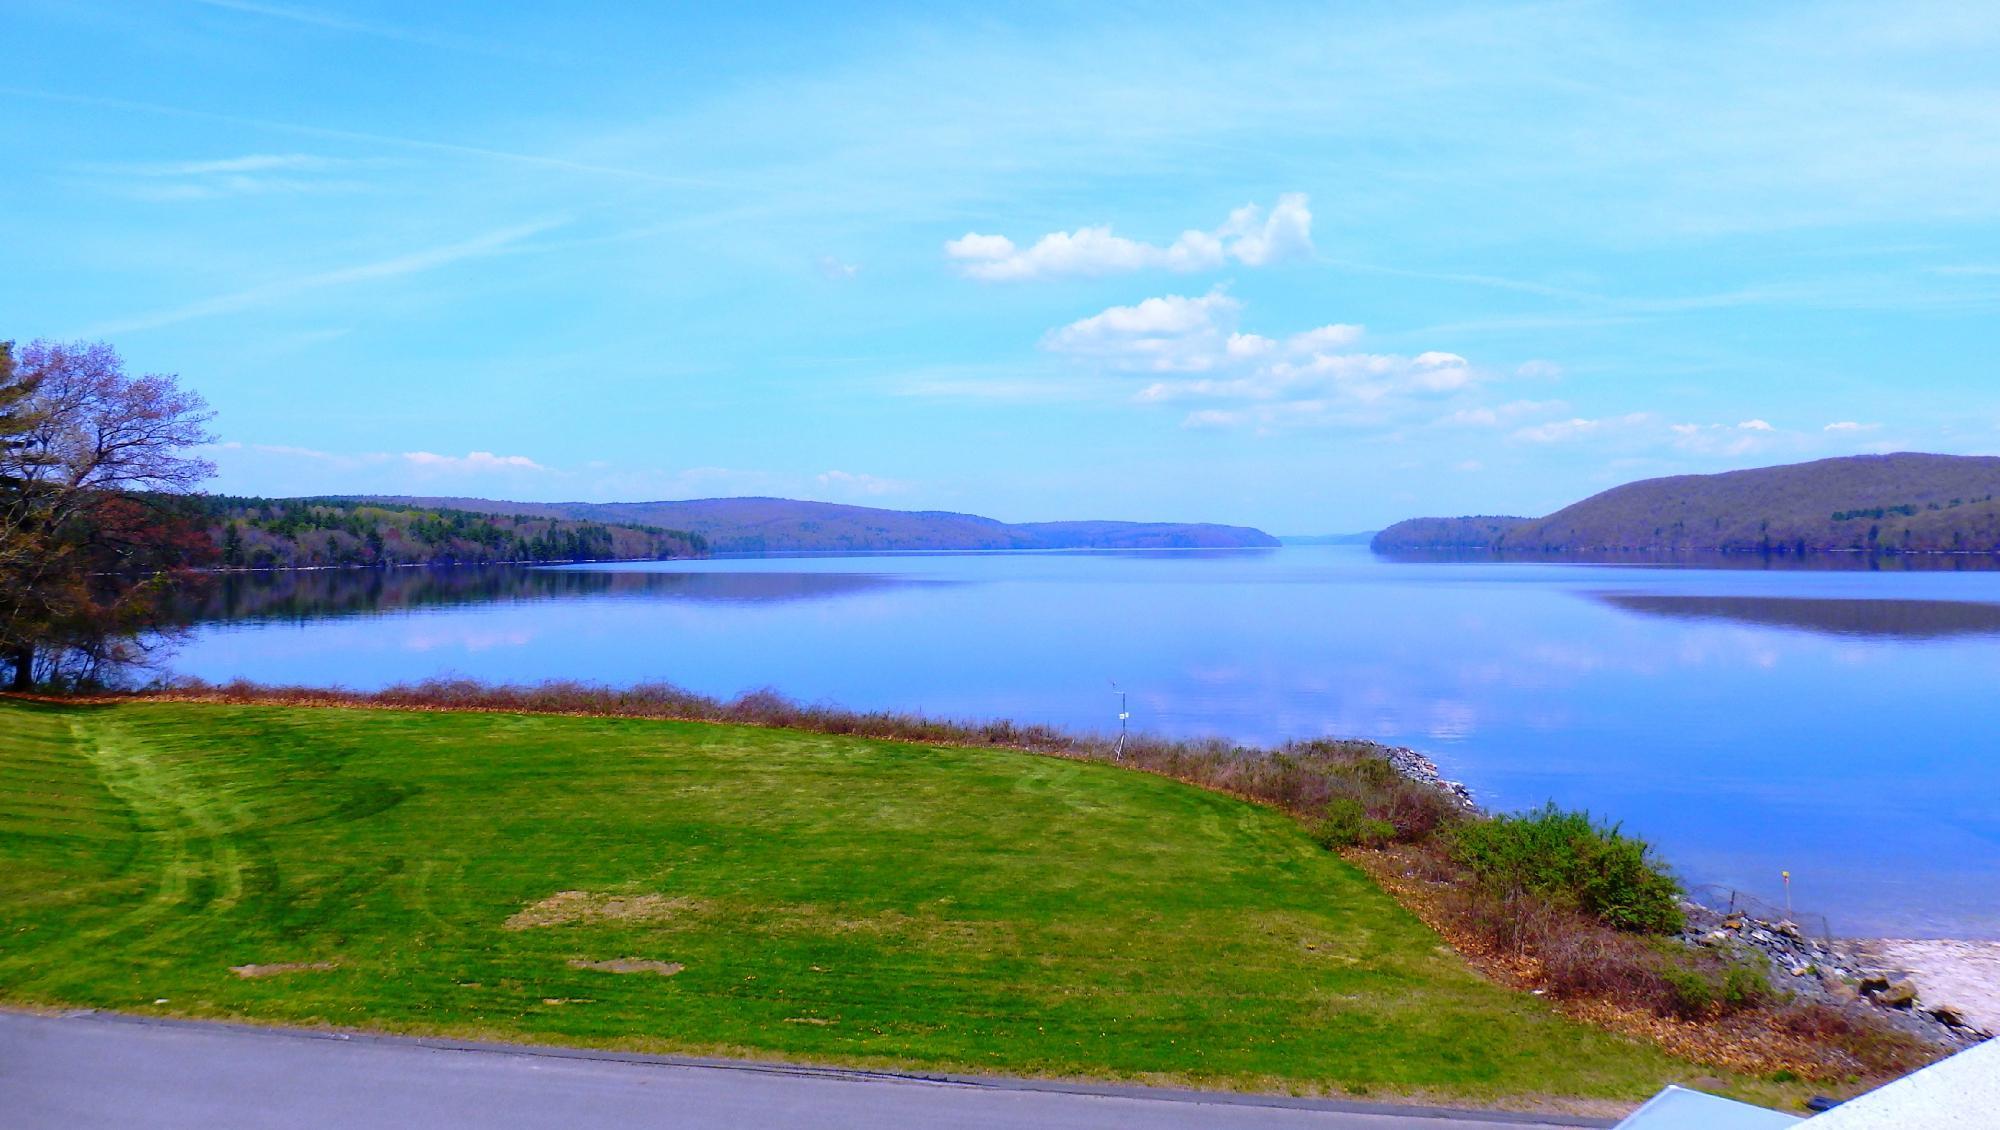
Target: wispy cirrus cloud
(338, 22)
(1250, 236)
(415, 262)
(543, 161)
(251, 174)
(248, 163)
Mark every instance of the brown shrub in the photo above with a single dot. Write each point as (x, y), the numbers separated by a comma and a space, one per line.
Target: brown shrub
(1876, 1048)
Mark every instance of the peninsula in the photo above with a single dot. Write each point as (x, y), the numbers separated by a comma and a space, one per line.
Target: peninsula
(1903, 503)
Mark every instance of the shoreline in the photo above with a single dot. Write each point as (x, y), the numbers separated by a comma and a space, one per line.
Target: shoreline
(1944, 990)
(1961, 976)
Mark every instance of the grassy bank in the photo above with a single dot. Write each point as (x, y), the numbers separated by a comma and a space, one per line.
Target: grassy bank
(823, 897)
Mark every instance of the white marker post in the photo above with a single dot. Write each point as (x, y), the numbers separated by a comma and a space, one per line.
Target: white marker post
(1124, 716)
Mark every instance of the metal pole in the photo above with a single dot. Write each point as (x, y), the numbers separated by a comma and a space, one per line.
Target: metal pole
(1124, 715)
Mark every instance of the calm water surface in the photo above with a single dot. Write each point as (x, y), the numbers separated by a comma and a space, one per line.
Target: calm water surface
(1837, 724)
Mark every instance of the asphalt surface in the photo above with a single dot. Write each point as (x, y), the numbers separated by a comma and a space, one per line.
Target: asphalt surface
(80, 1070)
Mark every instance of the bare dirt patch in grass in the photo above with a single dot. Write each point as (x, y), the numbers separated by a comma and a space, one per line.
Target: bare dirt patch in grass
(566, 908)
(280, 968)
(629, 965)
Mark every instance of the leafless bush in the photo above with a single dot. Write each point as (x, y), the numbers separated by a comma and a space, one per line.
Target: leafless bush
(1875, 1048)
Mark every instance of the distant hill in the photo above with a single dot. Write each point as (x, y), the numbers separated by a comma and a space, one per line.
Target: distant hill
(1327, 539)
(293, 533)
(752, 525)
(1907, 503)
(1480, 532)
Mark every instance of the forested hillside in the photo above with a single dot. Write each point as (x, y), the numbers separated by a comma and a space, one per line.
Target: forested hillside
(1476, 532)
(1907, 503)
(754, 525)
(286, 533)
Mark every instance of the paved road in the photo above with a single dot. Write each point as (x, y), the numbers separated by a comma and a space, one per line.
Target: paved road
(84, 1070)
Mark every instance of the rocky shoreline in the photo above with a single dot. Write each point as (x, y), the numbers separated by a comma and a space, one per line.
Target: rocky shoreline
(1416, 767)
(1891, 978)
(1834, 972)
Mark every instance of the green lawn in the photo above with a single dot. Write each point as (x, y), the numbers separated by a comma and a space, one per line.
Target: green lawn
(827, 898)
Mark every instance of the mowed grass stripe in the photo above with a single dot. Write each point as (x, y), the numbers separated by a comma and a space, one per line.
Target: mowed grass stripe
(822, 897)
(54, 811)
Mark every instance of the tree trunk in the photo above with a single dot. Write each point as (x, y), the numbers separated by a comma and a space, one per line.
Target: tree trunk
(23, 658)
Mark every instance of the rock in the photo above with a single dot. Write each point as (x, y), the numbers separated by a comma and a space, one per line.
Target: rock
(1948, 1015)
(1901, 994)
(1714, 938)
(1874, 984)
(1840, 992)
(1788, 928)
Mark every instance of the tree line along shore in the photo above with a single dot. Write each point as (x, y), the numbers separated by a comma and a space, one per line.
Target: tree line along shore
(298, 533)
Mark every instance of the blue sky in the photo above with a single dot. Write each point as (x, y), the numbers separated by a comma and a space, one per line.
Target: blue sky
(1307, 268)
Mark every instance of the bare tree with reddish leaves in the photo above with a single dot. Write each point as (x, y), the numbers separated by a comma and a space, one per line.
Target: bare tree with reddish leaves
(93, 466)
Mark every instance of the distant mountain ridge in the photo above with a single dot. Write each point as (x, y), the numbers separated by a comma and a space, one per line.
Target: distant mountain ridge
(753, 525)
(1362, 538)
(1903, 503)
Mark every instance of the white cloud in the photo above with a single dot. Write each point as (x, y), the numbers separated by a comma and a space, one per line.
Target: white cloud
(1310, 377)
(1641, 430)
(1256, 239)
(1745, 438)
(1248, 345)
(471, 463)
(1850, 426)
(1212, 418)
(1172, 333)
(1248, 236)
(851, 482)
(1578, 427)
(1500, 415)
(1326, 337)
(837, 270)
(1085, 251)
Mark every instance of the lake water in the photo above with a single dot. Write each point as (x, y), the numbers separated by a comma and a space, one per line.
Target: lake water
(1836, 724)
